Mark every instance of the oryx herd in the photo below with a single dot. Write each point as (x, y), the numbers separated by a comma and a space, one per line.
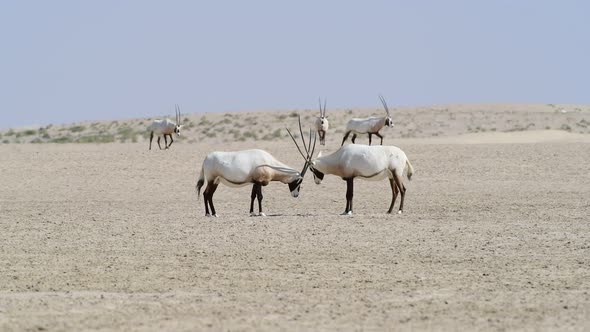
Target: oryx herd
(259, 168)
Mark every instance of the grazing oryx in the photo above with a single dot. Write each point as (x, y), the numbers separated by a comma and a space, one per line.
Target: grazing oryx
(321, 124)
(165, 128)
(245, 167)
(370, 125)
(367, 163)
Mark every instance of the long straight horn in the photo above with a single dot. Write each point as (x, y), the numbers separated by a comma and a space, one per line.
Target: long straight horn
(320, 102)
(384, 104)
(325, 106)
(309, 154)
(313, 148)
(177, 114)
(302, 136)
(294, 141)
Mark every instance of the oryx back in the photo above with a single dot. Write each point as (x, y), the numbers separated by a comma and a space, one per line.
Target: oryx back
(162, 127)
(240, 168)
(365, 125)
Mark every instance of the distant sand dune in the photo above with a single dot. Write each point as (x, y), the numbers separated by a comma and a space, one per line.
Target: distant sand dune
(410, 122)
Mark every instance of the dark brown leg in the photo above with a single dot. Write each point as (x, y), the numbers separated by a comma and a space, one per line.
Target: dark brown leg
(349, 194)
(159, 142)
(208, 195)
(322, 137)
(370, 136)
(345, 138)
(260, 200)
(165, 142)
(353, 138)
(379, 135)
(171, 140)
(252, 197)
(151, 138)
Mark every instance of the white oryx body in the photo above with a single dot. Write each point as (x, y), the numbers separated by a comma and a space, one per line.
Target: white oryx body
(371, 125)
(162, 127)
(321, 124)
(242, 168)
(368, 163)
(365, 125)
(165, 128)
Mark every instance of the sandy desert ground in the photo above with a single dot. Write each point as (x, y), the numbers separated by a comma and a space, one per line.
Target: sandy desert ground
(495, 236)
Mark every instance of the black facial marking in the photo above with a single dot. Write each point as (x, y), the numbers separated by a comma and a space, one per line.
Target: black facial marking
(317, 173)
(293, 185)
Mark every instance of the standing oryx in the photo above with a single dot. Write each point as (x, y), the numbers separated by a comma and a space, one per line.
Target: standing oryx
(245, 167)
(368, 163)
(321, 124)
(370, 125)
(165, 128)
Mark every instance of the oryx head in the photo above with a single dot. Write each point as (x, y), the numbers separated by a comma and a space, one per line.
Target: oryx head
(177, 123)
(295, 185)
(323, 117)
(388, 120)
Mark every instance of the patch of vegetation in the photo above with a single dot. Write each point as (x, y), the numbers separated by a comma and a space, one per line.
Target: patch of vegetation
(6, 141)
(77, 129)
(294, 114)
(36, 140)
(566, 127)
(62, 139)
(204, 121)
(10, 133)
(189, 125)
(108, 138)
(281, 117)
(250, 134)
(28, 132)
(235, 133)
(273, 136)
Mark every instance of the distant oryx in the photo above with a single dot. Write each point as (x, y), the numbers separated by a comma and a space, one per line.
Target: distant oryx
(242, 168)
(321, 124)
(367, 163)
(370, 125)
(165, 128)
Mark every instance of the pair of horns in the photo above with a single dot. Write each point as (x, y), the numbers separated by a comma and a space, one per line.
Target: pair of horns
(322, 111)
(309, 150)
(384, 105)
(177, 109)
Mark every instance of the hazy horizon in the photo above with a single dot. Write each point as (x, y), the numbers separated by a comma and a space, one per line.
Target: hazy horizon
(67, 61)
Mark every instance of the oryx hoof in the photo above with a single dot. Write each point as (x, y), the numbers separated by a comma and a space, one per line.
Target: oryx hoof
(349, 213)
(399, 212)
(211, 215)
(262, 214)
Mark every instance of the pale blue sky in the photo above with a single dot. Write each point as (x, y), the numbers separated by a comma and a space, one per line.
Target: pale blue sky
(69, 61)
